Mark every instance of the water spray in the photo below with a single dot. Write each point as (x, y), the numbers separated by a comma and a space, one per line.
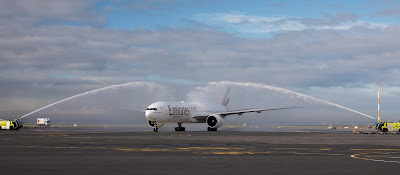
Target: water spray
(286, 91)
(91, 92)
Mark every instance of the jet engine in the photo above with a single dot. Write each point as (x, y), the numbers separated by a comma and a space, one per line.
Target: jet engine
(214, 121)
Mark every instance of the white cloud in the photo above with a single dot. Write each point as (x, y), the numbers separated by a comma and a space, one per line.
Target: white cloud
(43, 64)
(259, 24)
(51, 11)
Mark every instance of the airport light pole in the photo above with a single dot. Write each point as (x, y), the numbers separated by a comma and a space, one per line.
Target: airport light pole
(379, 112)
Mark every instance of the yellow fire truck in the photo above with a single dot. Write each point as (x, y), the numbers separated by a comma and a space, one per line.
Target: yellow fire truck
(10, 125)
(387, 126)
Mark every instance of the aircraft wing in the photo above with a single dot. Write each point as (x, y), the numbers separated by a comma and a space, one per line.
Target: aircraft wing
(240, 112)
(258, 110)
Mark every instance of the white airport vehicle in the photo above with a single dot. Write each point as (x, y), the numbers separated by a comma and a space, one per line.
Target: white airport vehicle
(163, 112)
(43, 121)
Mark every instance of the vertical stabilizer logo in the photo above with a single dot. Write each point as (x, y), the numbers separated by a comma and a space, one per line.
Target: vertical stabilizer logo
(226, 99)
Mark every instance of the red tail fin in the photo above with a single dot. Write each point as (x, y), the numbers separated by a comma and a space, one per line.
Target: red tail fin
(227, 97)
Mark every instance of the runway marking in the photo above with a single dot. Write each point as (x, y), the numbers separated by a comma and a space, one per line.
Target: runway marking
(105, 148)
(174, 149)
(141, 149)
(228, 153)
(267, 152)
(42, 152)
(311, 153)
(214, 148)
(56, 135)
(321, 149)
(357, 156)
(375, 149)
(239, 151)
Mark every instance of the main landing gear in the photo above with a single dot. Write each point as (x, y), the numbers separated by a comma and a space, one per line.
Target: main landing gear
(211, 129)
(179, 128)
(155, 129)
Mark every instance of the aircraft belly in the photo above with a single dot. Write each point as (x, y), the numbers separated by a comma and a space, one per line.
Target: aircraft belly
(174, 119)
(181, 119)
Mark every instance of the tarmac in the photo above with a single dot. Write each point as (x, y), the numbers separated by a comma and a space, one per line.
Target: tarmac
(33, 151)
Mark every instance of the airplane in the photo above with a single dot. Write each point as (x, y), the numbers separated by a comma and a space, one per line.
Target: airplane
(163, 112)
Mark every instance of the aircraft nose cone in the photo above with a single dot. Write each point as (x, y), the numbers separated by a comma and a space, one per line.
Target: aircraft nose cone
(149, 115)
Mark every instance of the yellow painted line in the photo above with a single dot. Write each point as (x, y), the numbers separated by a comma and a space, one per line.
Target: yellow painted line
(118, 149)
(43, 152)
(365, 159)
(258, 152)
(268, 152)
(228, 153)
(61, 135)
(355, 156)
(141, 150)
(321, 149)
(375, 149)
(324, 154)
(383, 156)
(209, 148)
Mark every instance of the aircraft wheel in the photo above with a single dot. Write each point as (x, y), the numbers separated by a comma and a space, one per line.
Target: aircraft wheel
(155, 129)
(179, 128)
(211, 129)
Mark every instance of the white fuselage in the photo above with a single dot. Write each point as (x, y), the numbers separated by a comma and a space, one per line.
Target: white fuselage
(180, 112)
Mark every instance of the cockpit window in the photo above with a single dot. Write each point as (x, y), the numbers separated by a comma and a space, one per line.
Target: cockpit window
(151, 109)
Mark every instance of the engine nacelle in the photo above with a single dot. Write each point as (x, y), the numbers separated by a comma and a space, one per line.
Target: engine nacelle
(214, 121)
(154, 124)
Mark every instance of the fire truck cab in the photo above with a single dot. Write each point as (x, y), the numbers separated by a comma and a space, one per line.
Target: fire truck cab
(10, 125)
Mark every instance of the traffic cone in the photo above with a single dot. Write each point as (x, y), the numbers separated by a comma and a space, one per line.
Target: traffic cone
(354, 130)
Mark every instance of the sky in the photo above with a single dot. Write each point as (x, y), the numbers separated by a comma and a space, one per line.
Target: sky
(332, 50)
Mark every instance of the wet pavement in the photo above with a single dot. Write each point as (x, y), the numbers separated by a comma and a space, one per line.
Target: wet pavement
(224, 152)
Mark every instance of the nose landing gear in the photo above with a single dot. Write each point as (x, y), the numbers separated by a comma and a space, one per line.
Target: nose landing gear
(154, 125)
(179, 128)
